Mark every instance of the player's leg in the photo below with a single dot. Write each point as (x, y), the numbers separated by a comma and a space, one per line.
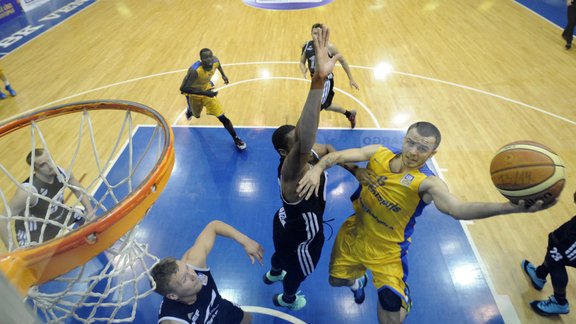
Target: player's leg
(389, 308)
(193, 106)
(7, 85)
(555, 262)
(277, 272)
(346, 270)
(569, 30)
(326, 103)
(214, 108)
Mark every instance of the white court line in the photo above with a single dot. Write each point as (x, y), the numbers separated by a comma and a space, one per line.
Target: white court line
(477, 90)
(537, 14)
(352, 66)
(503, 302)
(292, 79)
(272, 312)
(506, 309)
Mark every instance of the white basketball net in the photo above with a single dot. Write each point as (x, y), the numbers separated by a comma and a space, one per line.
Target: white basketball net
(108, 287)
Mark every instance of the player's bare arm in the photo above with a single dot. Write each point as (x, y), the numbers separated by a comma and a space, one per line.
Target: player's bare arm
(310, 182)
(296, 162)
(221, 70)
(302, 64)
(204, 243)
(82, 195)
(186, 86)
(345, 66)
(434, 189)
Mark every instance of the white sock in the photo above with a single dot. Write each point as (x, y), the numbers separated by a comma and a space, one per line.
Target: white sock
(356, 285)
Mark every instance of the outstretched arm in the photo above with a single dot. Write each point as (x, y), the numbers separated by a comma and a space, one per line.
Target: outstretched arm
(198, 253)
(310, 182)
(433, 188)
(307, 126)
(346, 68)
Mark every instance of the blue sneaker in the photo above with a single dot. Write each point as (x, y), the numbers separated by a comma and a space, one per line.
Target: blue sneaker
(530, 270)
(297, 304)
(359, 294)
(550, 307)
(270, 279)
(2, 95)
(11, 91)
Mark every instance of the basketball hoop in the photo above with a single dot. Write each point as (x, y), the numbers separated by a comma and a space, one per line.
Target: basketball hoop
(119, 205)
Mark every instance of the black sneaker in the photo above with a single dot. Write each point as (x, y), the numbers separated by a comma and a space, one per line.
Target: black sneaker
(568, 45)
(239, 143)
(188, 114)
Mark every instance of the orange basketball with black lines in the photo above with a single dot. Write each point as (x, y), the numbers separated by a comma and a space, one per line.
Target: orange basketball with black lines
(530, 171)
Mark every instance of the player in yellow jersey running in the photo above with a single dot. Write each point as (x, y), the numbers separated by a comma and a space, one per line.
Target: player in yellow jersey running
(396, 186)
(199, 91)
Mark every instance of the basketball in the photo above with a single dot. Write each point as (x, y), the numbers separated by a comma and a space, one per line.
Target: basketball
(529, 171)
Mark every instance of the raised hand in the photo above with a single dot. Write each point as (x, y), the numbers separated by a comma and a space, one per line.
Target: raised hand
(324, 63)
(254, 250)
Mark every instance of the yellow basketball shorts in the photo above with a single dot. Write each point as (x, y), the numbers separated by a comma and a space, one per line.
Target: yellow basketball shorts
(353, 253)
(196, 102)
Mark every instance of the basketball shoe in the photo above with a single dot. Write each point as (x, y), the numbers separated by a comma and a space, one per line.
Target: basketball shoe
(239, 143)
(550, 307)
(297, 304)
(188, 114)
(11, 91)
(530, 270)
(352, 118)
(359, 294)
(270, 279)
(2, 95)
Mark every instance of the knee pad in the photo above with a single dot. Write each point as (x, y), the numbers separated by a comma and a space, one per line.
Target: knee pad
(389, 300)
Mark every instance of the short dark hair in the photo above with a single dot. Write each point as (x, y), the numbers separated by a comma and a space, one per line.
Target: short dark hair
(316, 25)
(279, 139)
(427, 129)
(204, 50)
(37, 152)
(162, 273)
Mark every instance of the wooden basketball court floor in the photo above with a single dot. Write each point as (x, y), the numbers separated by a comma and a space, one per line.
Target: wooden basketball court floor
(486, 73)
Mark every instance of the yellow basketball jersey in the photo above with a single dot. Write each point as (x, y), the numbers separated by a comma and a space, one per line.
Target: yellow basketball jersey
(387, 213)
(203, 81)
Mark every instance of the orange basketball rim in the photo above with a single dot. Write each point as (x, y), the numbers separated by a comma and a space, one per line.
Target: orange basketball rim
(35, 265)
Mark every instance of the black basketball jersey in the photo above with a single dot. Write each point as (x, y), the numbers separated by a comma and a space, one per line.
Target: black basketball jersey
(204, 310)
(308, 50)
(299, 217)
(55, 192)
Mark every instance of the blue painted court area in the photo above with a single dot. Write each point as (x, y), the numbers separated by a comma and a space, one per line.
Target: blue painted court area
(25, 26)
(553, 10)
(212, 180)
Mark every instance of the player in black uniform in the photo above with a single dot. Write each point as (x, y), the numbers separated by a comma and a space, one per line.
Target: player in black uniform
(561, 252)
(49, 181)
(308, 56)
(190, 293)
(298, 229)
